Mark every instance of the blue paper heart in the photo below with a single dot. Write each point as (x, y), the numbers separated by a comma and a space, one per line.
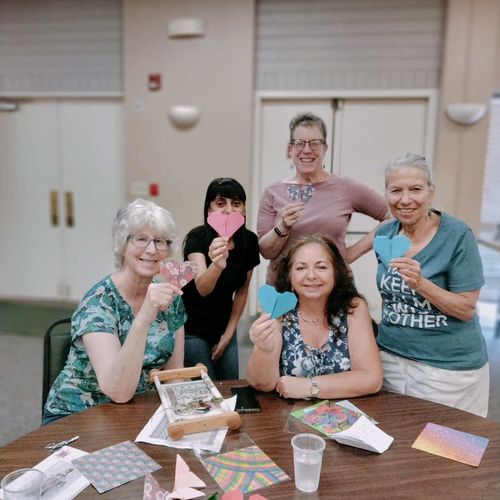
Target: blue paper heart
(390, 248)
(274, 303)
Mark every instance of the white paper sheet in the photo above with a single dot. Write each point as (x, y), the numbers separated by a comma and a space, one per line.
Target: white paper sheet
(155, 432)
(365, 435)
(63, 481)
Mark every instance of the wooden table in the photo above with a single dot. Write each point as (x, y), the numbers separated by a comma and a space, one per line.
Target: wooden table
(400, 472)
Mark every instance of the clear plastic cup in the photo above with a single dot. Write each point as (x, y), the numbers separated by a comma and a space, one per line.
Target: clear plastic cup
(307, 458)
(23, 484)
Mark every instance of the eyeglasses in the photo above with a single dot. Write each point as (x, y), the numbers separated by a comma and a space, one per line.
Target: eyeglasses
(161, 244)
(314, 144)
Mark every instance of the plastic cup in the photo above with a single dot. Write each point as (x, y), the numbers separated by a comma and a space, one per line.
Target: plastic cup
(23, 484)
(307, 458)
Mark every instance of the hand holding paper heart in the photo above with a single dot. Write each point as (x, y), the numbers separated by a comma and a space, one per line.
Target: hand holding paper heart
(274, 303)
(177, 273)
(226, 224)
(390, 248)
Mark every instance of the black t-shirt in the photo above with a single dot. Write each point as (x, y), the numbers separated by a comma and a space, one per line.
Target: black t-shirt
(207, 317)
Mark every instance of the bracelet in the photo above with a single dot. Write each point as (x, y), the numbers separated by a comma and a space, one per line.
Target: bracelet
(279, 233)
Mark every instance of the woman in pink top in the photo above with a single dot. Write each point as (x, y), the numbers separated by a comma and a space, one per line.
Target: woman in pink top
(313, 201)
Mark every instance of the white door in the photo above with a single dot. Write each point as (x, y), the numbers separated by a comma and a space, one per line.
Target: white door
(58, 147)
(366, 134)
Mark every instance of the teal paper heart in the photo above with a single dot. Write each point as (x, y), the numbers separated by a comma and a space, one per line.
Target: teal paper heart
(390, 248)
(274, 303)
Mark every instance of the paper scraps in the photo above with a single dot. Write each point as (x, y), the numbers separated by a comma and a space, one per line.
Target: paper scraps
(177, 273)
(116, 465)
(246, 469)
(300, 192)
(390, 248)
(274, 303)
(226, 224)
(450, 443)
(185, 482)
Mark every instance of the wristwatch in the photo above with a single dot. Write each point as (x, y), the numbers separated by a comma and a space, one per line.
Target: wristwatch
(314, 388)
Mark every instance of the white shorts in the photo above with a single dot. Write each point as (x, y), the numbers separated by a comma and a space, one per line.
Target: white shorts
(468, 390)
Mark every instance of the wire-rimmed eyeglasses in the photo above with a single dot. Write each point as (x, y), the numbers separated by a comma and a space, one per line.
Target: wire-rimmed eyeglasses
(139, 241)
(314, 144)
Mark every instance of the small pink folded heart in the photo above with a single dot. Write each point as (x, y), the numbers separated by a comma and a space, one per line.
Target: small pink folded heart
(177, 273)
(226, 224)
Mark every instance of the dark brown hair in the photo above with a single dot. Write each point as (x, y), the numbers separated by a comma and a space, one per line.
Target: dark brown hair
(344, 290)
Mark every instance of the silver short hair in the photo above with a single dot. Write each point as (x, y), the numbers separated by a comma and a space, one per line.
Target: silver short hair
(409, 160)
(138, 215)
(307, 120)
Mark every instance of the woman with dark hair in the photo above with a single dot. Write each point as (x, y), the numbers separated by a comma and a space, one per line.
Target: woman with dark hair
(215, 299)
(325, 347)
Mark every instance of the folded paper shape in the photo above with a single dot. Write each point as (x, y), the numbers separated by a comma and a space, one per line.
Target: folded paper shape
(274, 303)
(177, 273)
(226, 224)
(390, 248)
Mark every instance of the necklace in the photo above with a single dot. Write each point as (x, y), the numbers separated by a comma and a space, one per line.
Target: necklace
(307, 320)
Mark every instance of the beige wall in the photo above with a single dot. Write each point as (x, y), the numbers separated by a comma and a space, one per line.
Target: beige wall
(215, 73)
(471, 71)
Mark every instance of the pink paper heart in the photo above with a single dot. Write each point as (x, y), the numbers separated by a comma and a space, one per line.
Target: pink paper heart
(226, 224)
(177, 273)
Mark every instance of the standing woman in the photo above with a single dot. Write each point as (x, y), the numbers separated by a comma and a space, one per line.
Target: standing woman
(431, 341)
(313, 201)
(126, 324)
(215, 299)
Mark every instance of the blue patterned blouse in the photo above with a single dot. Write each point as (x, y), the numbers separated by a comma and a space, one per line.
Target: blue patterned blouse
(300, 360)
(103, 309)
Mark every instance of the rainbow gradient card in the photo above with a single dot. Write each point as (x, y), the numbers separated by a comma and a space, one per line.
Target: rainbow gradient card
(449, 443)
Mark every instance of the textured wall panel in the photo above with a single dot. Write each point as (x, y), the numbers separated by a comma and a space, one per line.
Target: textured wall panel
(353, 44)
(60, 46)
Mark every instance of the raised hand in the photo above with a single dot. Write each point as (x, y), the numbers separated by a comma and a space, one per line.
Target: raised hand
(265, 332)
(158, 298)
(290, 214)
(218, 252)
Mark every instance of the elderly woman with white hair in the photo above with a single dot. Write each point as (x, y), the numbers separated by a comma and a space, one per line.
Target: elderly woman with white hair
(430, 338)
(126, 324)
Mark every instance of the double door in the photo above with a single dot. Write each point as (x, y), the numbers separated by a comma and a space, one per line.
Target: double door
(61, 183)
(363, 134)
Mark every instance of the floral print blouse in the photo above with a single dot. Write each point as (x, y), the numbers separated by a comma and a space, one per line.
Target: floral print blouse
(104, 310)
(300, 360)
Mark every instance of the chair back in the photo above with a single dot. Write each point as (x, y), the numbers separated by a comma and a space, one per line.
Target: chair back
(56, 346)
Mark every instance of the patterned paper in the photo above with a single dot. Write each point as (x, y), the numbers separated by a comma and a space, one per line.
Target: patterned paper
(449, 443)
(300, 192)
(247, 469)
(327, 417)
(177, 273)
(116, 465)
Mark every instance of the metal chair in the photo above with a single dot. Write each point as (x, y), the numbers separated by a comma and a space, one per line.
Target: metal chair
(56, 344)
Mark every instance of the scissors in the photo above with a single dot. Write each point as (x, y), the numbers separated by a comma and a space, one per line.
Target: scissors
(60, 444)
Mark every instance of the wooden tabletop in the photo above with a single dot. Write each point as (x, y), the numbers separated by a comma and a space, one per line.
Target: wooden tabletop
(347, 472)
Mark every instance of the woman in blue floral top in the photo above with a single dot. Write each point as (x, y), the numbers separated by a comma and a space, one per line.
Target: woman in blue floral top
(325, 347)
(126, 324)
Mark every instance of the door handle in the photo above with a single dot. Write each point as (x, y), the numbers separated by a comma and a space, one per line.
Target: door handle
(54, 207)
(70, 216)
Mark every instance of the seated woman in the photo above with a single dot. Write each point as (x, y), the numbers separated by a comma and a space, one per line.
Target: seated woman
(325, 347)
(126, 324)
(431, 341)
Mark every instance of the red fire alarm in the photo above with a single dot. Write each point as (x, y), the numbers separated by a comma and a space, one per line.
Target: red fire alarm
(154, 82)
(154, 189)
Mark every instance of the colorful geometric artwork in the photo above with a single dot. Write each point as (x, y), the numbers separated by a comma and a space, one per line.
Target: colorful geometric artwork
(450, 443)
(247, 469)
(115, 465)
(327, 417)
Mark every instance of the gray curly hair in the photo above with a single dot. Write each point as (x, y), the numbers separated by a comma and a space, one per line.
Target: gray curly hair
(136, 216)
